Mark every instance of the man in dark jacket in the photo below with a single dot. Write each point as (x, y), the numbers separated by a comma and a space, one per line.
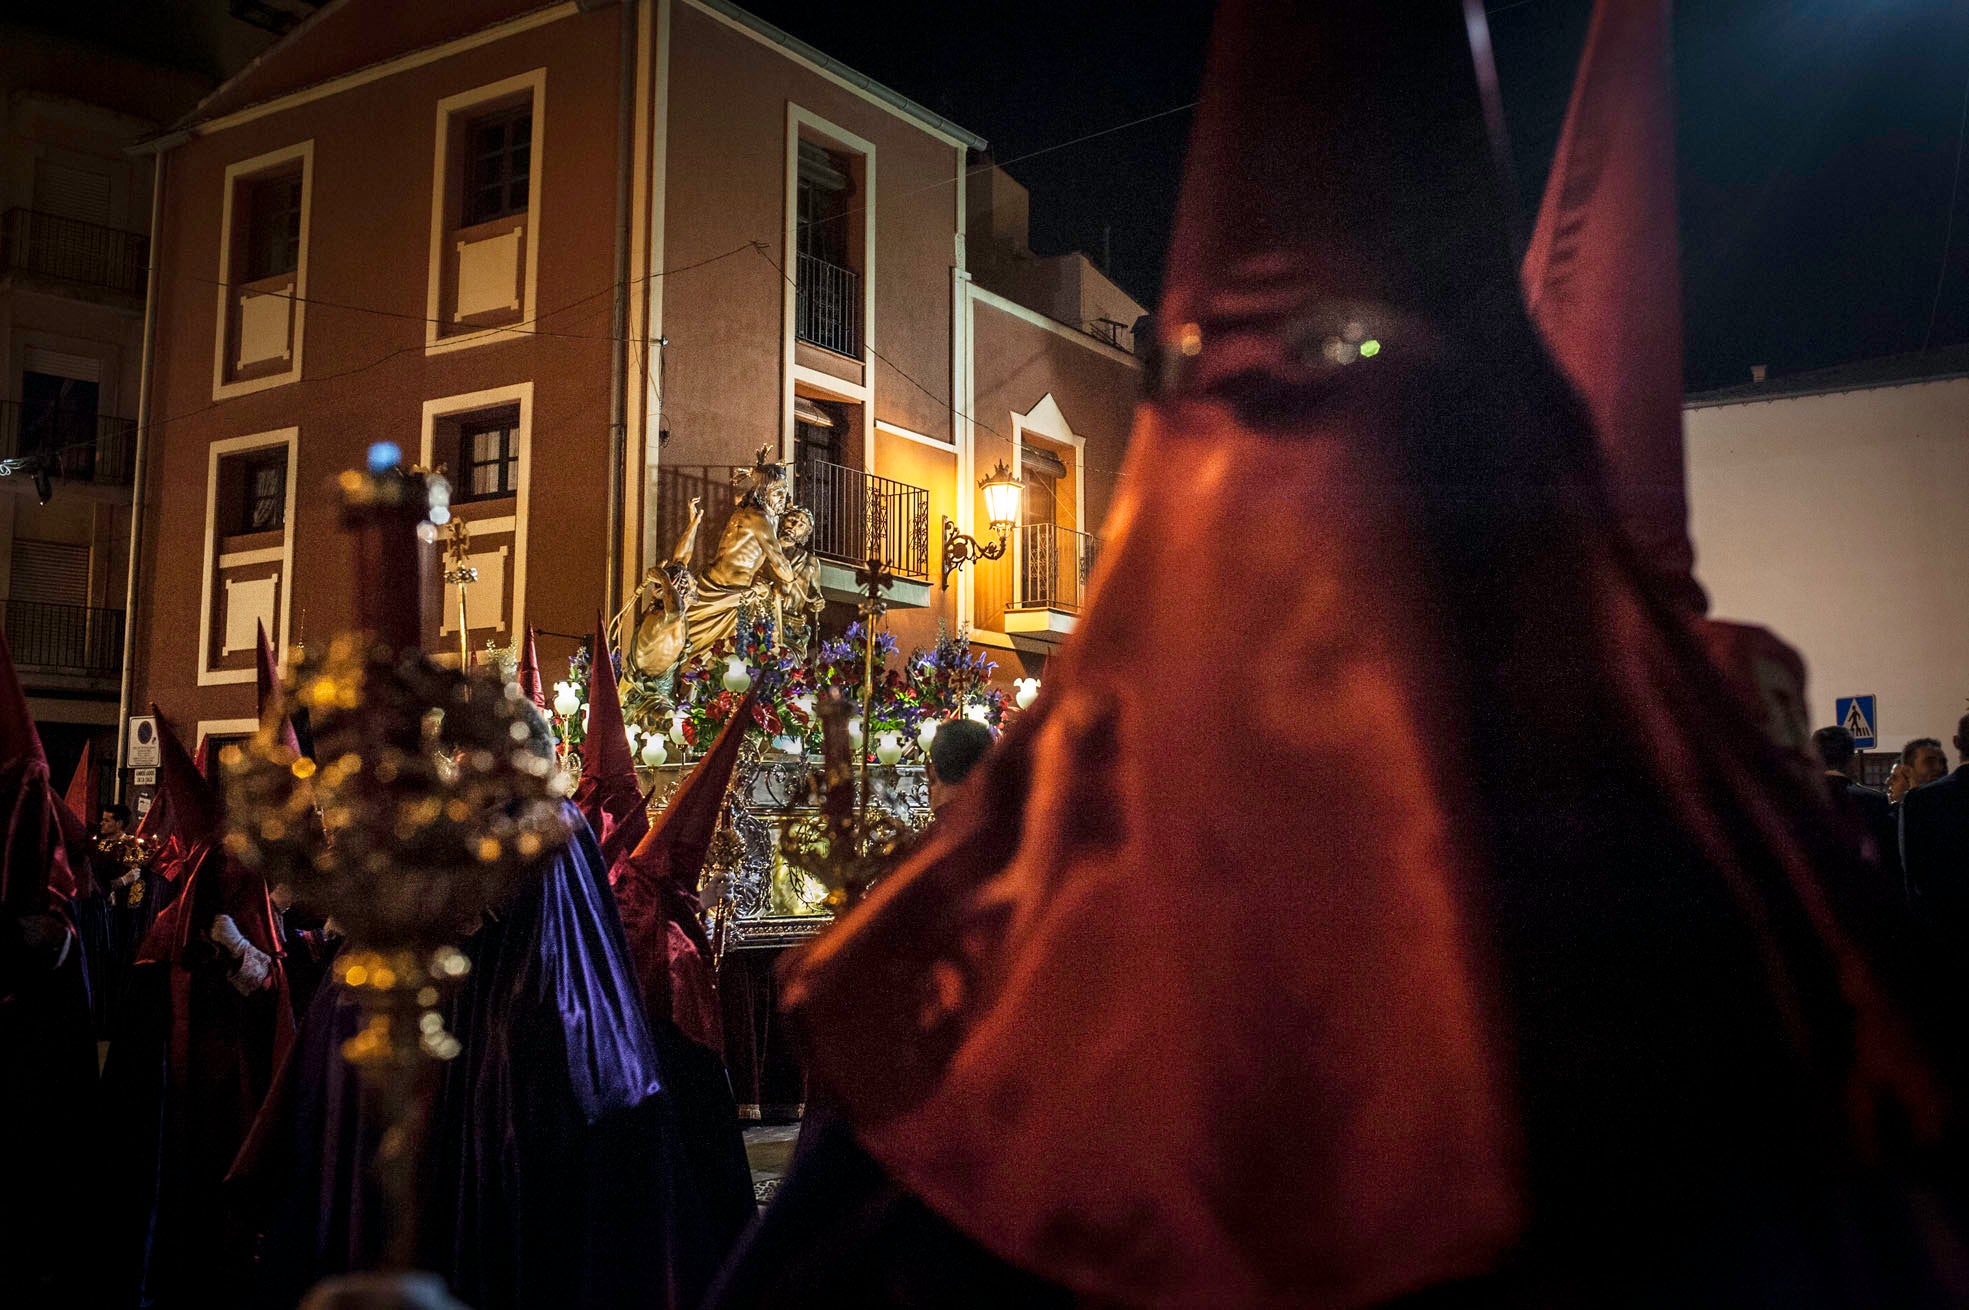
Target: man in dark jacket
(1935, 843)
(1868, 810)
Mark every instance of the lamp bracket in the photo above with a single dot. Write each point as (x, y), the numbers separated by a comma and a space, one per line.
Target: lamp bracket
(961, 548)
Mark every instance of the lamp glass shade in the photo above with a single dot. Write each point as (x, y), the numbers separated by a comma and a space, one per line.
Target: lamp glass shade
(677, 726)
(888, 747)
(927, 734)
(565, 700)
(1001, 493)
(655, 753)
(737, 676)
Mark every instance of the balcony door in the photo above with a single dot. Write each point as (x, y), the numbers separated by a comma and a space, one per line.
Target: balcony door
(1039, 555)
(60, 403)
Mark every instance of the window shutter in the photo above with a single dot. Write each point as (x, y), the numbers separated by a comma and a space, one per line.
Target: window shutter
(68, 192)
(76, 368)
(53, 572)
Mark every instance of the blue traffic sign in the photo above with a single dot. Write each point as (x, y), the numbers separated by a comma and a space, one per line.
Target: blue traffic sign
(1857, 715)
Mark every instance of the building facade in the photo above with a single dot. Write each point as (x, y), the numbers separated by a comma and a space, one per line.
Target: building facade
(1827, 506)
(589, 258)
(75, 218)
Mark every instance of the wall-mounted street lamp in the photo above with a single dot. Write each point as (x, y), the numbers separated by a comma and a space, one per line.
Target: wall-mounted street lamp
(1001, 493)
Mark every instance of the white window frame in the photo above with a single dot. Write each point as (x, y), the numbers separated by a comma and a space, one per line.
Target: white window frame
(235, 173)
(461, 106)
(1045, 422)
(520, 393)
(814, 381)
(291, 439)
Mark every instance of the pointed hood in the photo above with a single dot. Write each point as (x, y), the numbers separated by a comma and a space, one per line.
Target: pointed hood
(1602, 278)
(184, 812)
(656, 888)
(20, 741)
(80, 798)
(529, 673)
(77, 803)
(1568, 950)
(608, 794)
(31, 858)
(272, 701)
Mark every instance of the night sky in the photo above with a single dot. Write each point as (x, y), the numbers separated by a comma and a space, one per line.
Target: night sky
(1818, 139)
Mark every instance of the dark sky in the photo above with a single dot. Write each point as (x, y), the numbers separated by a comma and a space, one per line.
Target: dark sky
(1818, 139)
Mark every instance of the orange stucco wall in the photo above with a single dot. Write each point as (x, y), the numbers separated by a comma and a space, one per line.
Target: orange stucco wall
(365, 374)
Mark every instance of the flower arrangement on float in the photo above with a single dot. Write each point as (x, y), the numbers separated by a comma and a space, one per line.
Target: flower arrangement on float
(678, 717)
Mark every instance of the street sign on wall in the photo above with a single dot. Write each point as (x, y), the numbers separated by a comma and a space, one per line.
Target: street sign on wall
(143, 752)
(1860, 716)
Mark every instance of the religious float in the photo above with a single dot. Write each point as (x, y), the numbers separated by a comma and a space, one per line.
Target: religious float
(687, 648)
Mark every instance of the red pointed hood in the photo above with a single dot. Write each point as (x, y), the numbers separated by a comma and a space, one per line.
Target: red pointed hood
(529, 673)
(31, 858)
(1602, 278)
(271, 701)
(184, 812)
(80, 798)
(608, 794)
(656, 888)
(1114, 987)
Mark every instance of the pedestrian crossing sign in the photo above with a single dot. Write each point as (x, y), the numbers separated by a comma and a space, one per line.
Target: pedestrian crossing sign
(1856, 714)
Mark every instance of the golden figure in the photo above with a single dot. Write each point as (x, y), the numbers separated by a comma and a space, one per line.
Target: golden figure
(687, 612)
(798, 604)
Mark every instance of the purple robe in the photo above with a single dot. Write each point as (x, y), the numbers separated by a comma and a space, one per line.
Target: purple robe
(552, 1168)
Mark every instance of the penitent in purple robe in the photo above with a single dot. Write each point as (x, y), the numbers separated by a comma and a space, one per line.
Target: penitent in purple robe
(551, 1171)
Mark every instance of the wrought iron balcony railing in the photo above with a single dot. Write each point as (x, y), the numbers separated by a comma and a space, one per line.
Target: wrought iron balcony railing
(72, 639)
(77, 445)
(858, 515)
(827, 308)
(74, 251)
(1053, 567)
(853, 511)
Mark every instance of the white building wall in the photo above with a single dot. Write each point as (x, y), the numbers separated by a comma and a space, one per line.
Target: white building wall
(1841, 522)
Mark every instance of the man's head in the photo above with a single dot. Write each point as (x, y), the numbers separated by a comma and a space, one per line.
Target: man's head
(115, 821)
(796, 525)
(1835, 746)
(954, 752)
(1925, 760)
(1962, 739)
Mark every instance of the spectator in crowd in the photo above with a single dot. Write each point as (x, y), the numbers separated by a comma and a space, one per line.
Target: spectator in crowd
(1935, 843)
(1922, 761)
(954, 752)
(1869, 809)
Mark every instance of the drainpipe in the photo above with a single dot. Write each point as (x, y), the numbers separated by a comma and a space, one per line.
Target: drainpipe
(618, 398)
(141, 469)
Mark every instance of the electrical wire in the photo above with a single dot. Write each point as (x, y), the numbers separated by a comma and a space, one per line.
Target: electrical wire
(1948, 228)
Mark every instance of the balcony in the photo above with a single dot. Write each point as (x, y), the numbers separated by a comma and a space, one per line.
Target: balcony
(70, 250)
(858, 516)
(855, 514)
(75, 445)
(827, 310)
(74, 641)
(1050, 568)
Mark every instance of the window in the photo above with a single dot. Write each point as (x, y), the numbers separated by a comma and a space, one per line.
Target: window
(263, 492)
(825, 188)
(1042, 471)
(817, 429)
(498, 160)
(488, 455)
(263, 271)
(828, 291)
(485, 202)
(273, 227)
(58, 417)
